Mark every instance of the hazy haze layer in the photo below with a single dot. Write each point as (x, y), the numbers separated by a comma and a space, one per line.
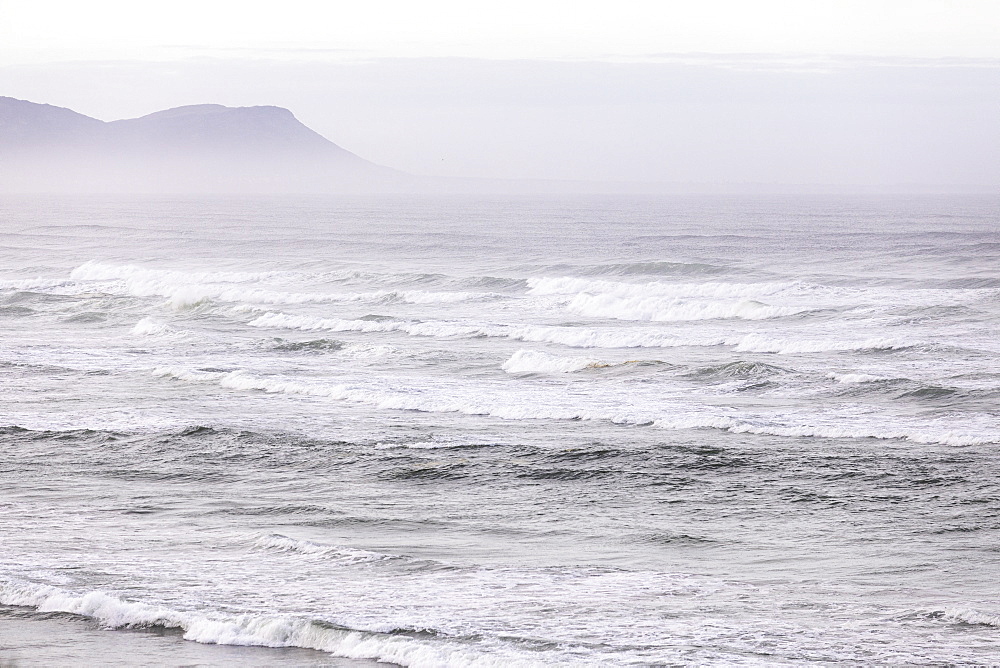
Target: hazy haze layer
(853, 123)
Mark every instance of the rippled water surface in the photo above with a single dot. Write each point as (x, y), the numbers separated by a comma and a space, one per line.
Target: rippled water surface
(577, 431)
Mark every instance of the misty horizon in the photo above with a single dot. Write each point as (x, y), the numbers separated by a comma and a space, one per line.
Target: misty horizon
(715, 142)
(875, 96)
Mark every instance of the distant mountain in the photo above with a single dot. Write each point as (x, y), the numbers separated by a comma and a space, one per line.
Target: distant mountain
(200, 148)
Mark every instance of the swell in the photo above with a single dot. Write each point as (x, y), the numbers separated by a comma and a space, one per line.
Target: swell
(655, 268)
(278, 543)
(740, 369)
(189, 288)
(669, 414)
(399, 646)
(576, 337)
(861, 385)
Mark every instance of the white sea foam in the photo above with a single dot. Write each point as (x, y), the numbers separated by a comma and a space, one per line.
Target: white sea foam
(851, 378)
(971, 616)
(150, 327)
(914, 433)
(666, 302)
(32, 283)
(580, 337)
(760, 343)
(800, 292)
(544, 406)
(533, 361)
(188, 374)
(343, 555)
(569, 285)
(672, 309)
(576, 337)
(99, 271)
(187, 289)
(262, 630)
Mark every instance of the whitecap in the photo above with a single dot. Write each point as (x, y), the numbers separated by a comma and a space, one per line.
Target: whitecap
(533, 361)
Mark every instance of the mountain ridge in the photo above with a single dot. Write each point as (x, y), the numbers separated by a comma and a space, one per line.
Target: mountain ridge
(193, 148)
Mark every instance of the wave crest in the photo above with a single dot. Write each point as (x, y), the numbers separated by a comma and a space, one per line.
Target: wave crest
(212, 627)
(344, 555)
(532, 361)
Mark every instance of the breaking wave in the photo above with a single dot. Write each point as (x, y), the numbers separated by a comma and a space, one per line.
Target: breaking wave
(968, 616)
(339, 554)
(576, 337)
(662, 412)
(187, 289)
(261, 630)
(656, 309)
(852, 378)
(532, 361)
(568, 285)
(150, 327)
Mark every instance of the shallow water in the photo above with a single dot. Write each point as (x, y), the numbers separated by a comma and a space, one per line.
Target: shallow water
(456, 431)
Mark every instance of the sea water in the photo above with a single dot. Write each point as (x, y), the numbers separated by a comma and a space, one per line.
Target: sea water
(471, 431)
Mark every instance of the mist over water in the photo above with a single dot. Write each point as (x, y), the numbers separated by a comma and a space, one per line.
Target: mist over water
(494, 431)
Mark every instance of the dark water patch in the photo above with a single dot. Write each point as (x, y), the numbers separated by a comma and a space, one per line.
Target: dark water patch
(640, 370)
(887, 349)
(926, 314)
(936, 396)
(409, 443)
(942, 397)
(671, 539)
(336, 519)
(197, 430)
(852, 474)
(700, 450)
(419, 632)
(973, 282)
(140, 509)
(961, 617)
(38, 297)
(760, 386)
(715, 462)
(935, 481)
(31, 613)
(799, 495)
(494, 283)
(740, 370)
(290, 509)
(564, 474)
(599, 453)
(811, 314)
(929, 393)
(429, 472)
(959, 528)
(82, 435)
(154, 475)
(87, 317)
(407, 279)
(655, 268)
(206, 447)
(885, 386)
(311, 346)
(16, 311)
(374, 317)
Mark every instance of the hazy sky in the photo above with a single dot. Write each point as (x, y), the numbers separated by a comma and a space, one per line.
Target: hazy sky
(873, 92)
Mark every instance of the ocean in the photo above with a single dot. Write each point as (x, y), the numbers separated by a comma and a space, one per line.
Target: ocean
(500, 431)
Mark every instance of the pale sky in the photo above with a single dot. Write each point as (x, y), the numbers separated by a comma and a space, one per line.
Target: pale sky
(44, 30)
(776, 91)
